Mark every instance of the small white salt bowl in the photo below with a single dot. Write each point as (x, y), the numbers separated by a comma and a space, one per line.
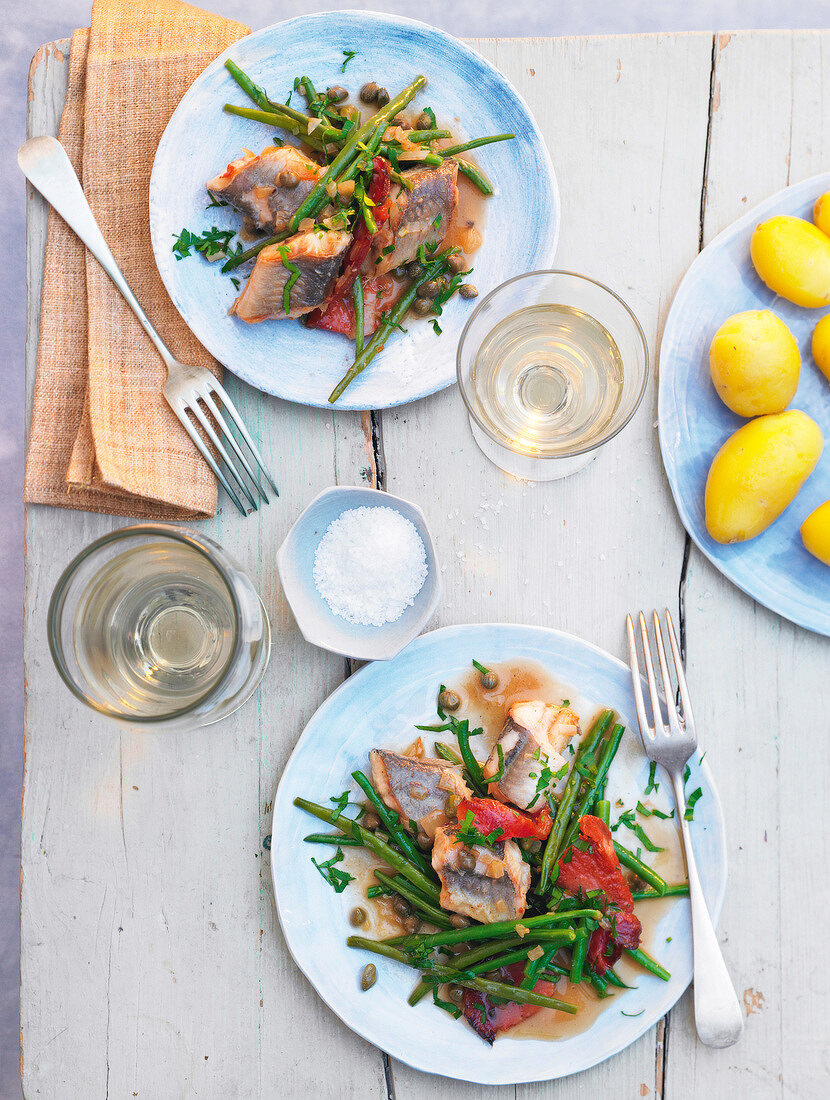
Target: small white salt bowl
(317, 622)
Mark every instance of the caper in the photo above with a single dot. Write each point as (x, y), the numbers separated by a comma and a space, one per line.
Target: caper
(429, 289)
(421, 307)
(489, 680)
(382, 97)
(468, 291)
(457, 921)
(531, 844)
(412, 924)
(457, 263)
(370, 820)
(466, 861)
(401, 907)
(368, 977)
(357, 917)
(400, 272)
(423, 122)
(401, 122)
(455, 993)
(449, 700)
(413, 270)
(287, 180)
(336, 94)
(369, 92)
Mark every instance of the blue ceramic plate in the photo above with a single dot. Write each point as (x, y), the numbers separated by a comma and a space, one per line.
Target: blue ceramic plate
(380, 705)
(466, 92)
(773, 568)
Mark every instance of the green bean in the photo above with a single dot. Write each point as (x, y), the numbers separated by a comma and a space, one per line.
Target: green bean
(378, 892)
(258, 95)
(373, 841)
(475, 176)
(462, 733)
(678, 890)
(378, 947)
(430, 912)
(419, 136)
(613, 977)
(587, 798)
(535, 966)
(475, 144)
(432, 160)
(579, 953)
(392, 321)
(602, 809)
(333, 838)
(642, 870)
(496, 929)
(600, 985)
(359, 316)
(569, 796)
(648, 963)
(317, 139)
(393, 825)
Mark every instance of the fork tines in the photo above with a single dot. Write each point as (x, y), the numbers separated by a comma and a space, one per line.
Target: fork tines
(676, 722)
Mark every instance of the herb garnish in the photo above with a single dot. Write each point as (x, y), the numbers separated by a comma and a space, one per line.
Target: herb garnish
(213, 244)
(334, 876)
(292, 279)
(642, 1010)
(690, 804)
(468, 833)
(347, 56)
(627, 819)
(214, 201)
(652, 786)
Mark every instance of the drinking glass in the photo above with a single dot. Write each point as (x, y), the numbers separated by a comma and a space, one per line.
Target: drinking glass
(551, 365)
(156, 626)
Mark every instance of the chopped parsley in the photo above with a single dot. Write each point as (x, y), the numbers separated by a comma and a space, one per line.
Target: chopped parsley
(214, 201)
(347, 56)
(436, 328)
(468, 834)
(652, 786)
(691, 802)
(337, 878)
(628, 820)
(290, 282)
(213, 244)
(479, 667)
(340, 801)
(642, 1010)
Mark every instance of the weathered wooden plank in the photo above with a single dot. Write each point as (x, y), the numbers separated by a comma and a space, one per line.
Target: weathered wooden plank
(578, 554)
(759, 683)
(150, 959)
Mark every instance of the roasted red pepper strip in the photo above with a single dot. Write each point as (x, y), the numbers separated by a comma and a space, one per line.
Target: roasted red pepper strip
(489, 815)
(378, 193)
(598, 868)
(489, 1019)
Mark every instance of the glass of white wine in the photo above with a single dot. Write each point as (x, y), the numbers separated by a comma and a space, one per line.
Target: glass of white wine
(551, 365)
(156, 626)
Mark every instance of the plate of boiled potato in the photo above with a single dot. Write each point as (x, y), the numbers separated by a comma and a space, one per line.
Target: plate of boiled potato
(744, 402)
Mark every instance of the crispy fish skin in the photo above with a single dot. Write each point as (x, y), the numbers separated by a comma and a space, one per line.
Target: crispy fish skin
(417, 790)
(532, 738)
(496, 889)
(318, 254)
(251, 185)
(416, 217)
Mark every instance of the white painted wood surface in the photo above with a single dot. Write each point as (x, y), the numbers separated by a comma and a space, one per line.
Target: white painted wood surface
(151, 961)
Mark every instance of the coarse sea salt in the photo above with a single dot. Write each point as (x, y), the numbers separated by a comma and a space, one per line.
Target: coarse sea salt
(370, 565)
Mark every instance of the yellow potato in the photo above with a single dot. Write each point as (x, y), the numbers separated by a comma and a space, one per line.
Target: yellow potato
(815, 532)
(754, 363)
(821, 212)
(758, 472)
(792, 257)
(821, 346)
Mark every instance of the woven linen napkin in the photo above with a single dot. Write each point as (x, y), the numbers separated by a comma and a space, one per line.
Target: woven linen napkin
(102, 436)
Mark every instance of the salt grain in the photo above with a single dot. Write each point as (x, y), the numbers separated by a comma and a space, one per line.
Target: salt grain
(370, 565)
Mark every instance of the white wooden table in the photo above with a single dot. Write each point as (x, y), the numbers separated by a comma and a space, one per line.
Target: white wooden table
(151, 959)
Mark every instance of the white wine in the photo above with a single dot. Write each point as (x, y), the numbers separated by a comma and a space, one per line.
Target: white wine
(154, 629)
(547, 380)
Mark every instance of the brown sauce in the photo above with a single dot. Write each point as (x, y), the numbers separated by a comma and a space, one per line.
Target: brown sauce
(520, 681)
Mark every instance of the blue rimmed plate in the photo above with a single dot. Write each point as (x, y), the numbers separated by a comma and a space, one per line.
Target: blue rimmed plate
(773, 568)
(380, 705)
(280, 357)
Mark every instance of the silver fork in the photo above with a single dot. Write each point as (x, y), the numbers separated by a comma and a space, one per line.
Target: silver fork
(718, 1016)
(45, 164)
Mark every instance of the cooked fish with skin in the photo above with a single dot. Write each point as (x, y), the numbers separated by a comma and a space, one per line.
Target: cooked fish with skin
(416, 217)
(318, 254)
(423, 791)
(532, 739)
(494, 888)
(255, 185)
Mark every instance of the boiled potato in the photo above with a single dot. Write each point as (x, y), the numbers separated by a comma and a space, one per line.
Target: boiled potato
(758, 472)
(821, 346)
(754, 362)
(821, 212)
(815, 532)
(792, 257)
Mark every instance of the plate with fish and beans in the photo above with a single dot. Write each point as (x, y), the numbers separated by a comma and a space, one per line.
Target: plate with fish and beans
(332, 194)
(475, 865)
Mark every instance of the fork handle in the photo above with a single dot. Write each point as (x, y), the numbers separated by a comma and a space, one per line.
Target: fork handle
(44, 162)
(718, 1016)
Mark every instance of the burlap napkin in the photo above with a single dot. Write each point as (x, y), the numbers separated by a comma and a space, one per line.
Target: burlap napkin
(102, 437)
